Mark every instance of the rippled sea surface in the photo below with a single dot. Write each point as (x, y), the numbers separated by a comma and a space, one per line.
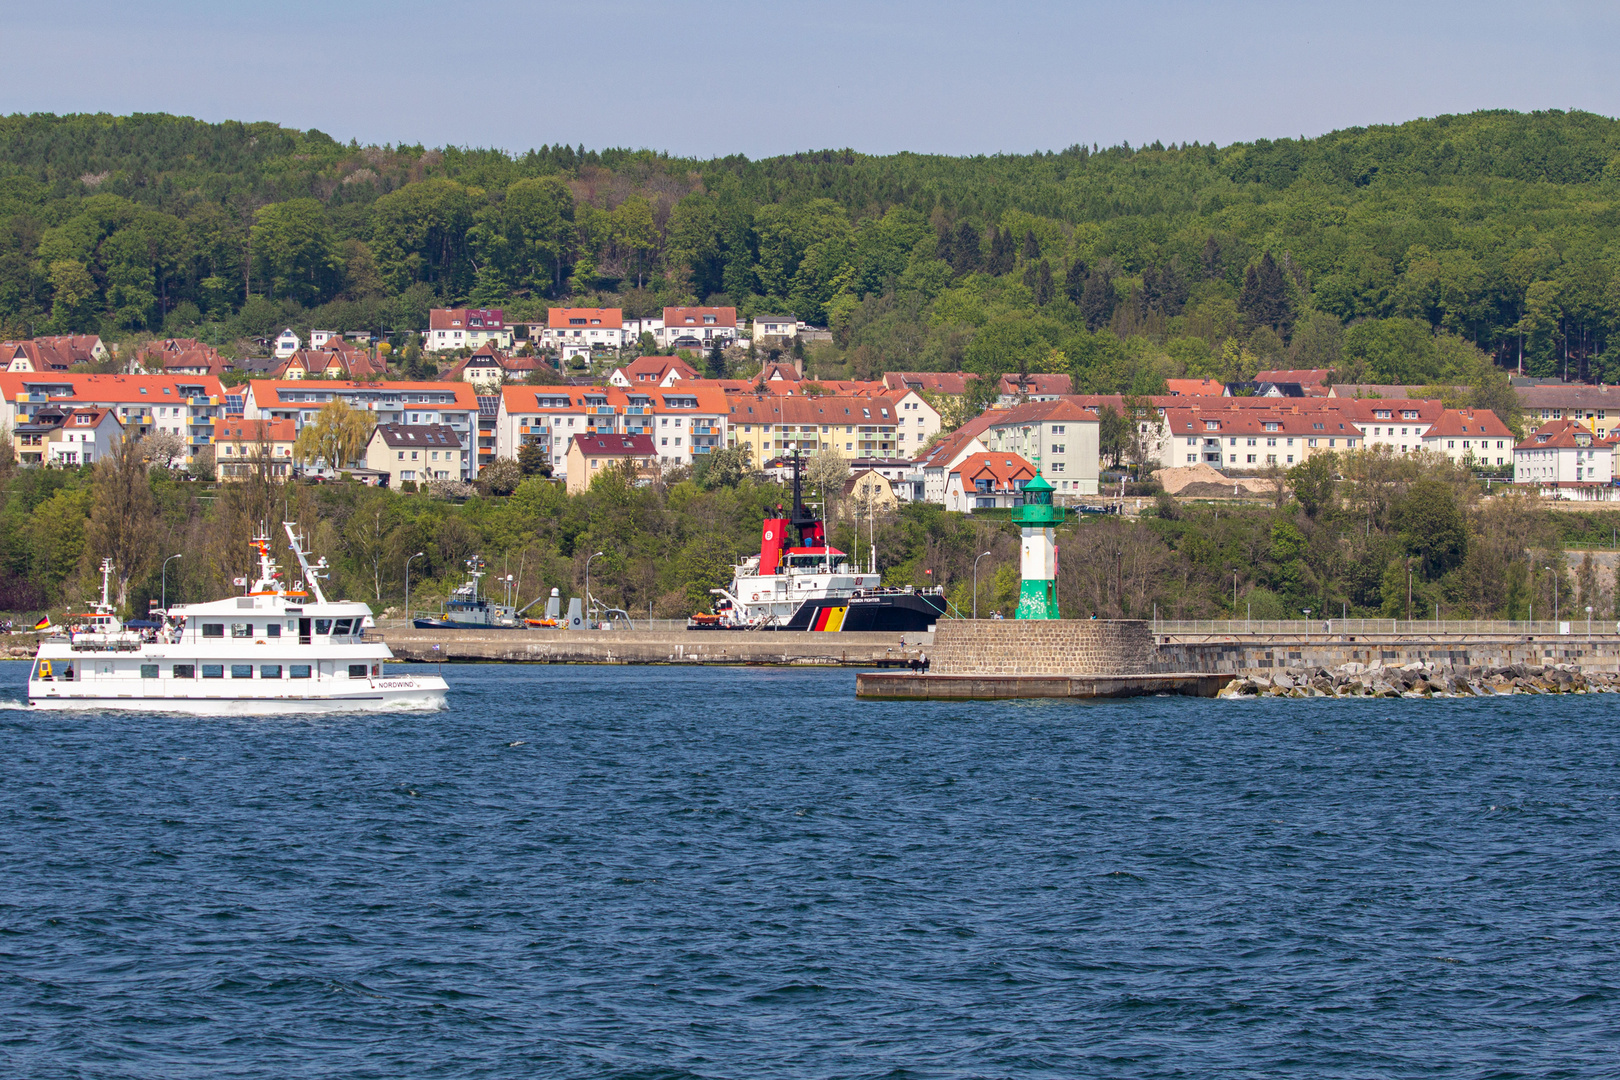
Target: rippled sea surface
(622, 872)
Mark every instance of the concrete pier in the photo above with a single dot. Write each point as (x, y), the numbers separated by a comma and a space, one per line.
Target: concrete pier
(906, 686)
(655, 646)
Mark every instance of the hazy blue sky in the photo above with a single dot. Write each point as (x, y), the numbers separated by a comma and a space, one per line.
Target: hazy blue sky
(955, 76)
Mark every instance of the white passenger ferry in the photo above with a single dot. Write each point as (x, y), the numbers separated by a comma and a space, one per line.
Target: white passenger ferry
(275, 649)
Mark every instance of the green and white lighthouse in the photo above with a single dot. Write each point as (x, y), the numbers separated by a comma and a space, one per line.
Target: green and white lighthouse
(1039, 519)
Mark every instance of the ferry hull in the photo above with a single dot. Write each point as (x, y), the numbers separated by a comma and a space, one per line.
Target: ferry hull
(421, 694)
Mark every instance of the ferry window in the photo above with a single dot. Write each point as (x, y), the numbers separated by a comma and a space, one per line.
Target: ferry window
(357, 671)
(269, 671)
(213, 629)
(342, 627)
(149, 671)
(273, 630)
(241, 629)
(185, 671)
(297, 671)
(241, 671)
(323, 626)
(213, 671)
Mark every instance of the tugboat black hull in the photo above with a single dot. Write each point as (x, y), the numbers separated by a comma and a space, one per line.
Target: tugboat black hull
(890, 613)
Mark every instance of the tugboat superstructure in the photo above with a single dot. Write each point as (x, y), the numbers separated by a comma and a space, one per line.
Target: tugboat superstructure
(811, 585)
(277, 648)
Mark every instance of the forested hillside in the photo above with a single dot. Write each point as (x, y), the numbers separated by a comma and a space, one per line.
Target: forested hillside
(1392, 253)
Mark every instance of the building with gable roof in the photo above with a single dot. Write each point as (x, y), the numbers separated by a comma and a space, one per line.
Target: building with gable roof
(287, 342)
(988, 480)
(851, 427)
(581, 331)
(654, 371)
(182, 405)
(67, 436)
(240, 444)
(453, 404)
(1014, 389)
(1566, 458)
(1470, 437)
(450, 329)
(419, 453)
(1059, 436)
(697, 328)
(683, 422)
(589, 455)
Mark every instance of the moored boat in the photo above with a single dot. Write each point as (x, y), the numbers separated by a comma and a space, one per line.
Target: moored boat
(278, 648)
(799, 581)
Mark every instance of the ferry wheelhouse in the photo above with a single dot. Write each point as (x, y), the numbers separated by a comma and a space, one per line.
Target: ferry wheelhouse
(278, 648)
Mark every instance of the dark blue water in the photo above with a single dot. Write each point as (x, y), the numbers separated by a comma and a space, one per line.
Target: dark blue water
(616, 872)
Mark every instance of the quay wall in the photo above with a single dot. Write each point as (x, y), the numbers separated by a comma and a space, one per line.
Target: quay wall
(654, 646)
(1242, 654)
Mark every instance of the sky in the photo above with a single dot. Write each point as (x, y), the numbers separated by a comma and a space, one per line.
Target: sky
(768, 77)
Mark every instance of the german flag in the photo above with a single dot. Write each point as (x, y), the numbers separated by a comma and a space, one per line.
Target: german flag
(44, 623)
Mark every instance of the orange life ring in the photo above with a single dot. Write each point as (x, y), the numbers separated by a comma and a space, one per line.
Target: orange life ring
(755, 596)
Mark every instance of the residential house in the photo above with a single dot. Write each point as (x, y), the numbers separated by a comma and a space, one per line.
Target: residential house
(589, 455)
(582, 331)
(1314, 382)
(1398, 423)
(986, 481)
(1470, 437)
(453, 404)
(774, 328)
(67, 436)
(450, 329)
(1060, 437)
(1014, 389)
(419, 453)
(318, 338)
(697, 328)
(684, 422)
(242, 447)
(851, 427)
(182, 405)
(59, 353)
(868, 491)
(1253, 439)
(1565, 458)
(340, 360)
(653, 371)
(917, 422)
(286, 343)
(932, 469)
(1597, 408)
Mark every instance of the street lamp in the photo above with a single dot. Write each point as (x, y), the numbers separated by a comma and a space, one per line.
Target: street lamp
(1408, 590)
(588, 584)
(418, 555)
(976, 583)
(165, 576)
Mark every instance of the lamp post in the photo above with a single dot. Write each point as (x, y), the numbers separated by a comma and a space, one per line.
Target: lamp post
(1555, 596)
(976, 583)
(1408, 590)
(418, 555)
(165, 579)
(588, 585)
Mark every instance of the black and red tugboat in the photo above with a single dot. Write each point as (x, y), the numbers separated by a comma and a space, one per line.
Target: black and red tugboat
(798, 581)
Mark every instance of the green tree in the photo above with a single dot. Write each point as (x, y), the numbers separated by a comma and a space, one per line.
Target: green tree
(533, 460)
(1432, 526)
(1312, 482)
(293, 245)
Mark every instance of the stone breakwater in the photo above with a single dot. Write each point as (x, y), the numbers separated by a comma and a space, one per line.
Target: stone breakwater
(1417, 680)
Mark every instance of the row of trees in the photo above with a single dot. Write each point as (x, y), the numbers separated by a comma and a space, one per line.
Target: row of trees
(1393, 254)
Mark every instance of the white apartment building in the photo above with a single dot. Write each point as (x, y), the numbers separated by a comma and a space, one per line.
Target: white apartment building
(183, 405)
(1059, 437)
(1563, 454)
(582, 331)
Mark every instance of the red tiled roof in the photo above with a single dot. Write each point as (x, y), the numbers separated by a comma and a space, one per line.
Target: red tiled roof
(616, 445)
(1003, 469)
(612, 318)
(1477, 423)
(693, 316)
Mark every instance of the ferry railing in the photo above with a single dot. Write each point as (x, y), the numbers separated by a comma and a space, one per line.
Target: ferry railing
(1581, 627)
